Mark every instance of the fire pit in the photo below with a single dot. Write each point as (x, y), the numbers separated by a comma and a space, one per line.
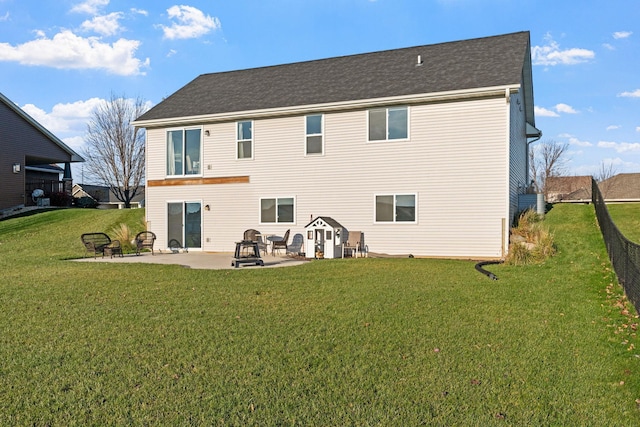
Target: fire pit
(247, 252)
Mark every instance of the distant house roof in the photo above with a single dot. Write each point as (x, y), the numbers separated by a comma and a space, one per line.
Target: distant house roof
(568, 188)
(103, 194)
(75, 157)
(445, 68)
(621, 187)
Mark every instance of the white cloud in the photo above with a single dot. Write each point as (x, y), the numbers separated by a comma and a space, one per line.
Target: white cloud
(564, 108)
(622, 34)
(613, 127)
(69, 51)
(634, 94)
(543, 112)
(551, 54)
(65, 117)
(4, 17)
(608, 46)
(171, 53)
(191, 23)
(638, 129)
(576, 141)
(139, 11)
(106, 25)
(90, 7)
(621, 147)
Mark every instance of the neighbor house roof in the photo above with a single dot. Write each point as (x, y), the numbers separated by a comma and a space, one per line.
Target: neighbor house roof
(74, 156)
(103, 194)
(445, 68)
(567, 188)
(623, 187)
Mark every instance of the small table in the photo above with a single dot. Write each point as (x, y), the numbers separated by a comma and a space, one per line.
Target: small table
(266, 240)
(247, 252)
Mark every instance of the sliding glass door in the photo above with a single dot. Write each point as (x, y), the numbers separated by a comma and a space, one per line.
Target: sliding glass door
(184, 221)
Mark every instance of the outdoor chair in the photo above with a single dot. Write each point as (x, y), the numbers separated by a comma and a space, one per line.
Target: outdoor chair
(280, 244)
(144, 240)
(101, 243)
(255, 236)
(353, 244)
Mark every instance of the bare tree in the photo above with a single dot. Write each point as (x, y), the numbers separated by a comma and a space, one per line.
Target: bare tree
(114, 150)
(606, 171)
(546, 160)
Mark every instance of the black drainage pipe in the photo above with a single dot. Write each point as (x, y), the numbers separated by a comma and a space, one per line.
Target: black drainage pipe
(489, 274)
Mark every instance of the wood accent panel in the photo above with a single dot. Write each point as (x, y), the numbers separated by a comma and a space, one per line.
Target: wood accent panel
(198, 181)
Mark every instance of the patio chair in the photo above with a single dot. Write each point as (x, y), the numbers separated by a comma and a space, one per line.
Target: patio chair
(255, 236)
(144, 240)
(100, 243)
(353, 244)
(280, 244)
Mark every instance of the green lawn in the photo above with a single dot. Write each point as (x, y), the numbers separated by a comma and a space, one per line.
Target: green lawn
(627, 218)
(390, 342)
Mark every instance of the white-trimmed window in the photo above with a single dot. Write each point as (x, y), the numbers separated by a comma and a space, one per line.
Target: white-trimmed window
(387, 124)
(245, 140)
(315, 138)
(395, 208)
(277, 210)
(183, 152)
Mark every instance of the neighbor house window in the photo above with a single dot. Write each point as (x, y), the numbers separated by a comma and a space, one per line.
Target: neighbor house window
(314, 143)
(277, 210)
(395, 208)
(388, 123)
(245, 140)
(183, 152)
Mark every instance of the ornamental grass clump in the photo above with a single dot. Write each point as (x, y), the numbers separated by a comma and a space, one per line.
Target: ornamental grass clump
(123, 233)
(531, 241)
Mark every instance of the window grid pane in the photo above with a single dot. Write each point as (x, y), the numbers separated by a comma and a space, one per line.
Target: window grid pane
(268, 210)
(398, 123)
(405, 208)
(384, 208)
(285, 210)
(377, 125)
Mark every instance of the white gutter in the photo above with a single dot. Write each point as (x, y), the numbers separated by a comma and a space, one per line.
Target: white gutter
(333, 106)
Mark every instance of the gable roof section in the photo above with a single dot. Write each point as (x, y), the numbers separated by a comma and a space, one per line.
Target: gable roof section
(490, 62)
(623, 187)
(74, 156)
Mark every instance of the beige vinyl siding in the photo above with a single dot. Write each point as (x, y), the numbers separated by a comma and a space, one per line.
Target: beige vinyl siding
(455, 162)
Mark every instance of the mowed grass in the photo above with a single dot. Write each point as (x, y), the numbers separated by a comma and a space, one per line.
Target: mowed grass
(627, 219)
(335, 342)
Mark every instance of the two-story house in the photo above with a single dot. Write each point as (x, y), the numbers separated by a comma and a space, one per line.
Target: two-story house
(423, 149)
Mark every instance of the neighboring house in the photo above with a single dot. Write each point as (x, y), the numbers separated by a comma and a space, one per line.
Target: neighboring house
(423, 149)
(28, 151)
(573, 189)
(105, 198)
(624, 187)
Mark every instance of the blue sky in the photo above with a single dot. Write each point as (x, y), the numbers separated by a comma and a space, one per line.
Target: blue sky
(59, 58)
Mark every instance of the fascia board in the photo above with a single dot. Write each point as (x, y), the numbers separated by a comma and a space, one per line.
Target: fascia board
(496, 91)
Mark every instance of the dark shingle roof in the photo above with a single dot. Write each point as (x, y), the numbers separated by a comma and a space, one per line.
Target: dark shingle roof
(468, 64)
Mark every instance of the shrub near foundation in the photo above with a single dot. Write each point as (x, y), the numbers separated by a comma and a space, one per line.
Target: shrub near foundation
(531, 241)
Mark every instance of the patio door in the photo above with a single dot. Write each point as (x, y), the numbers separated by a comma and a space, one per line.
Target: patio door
(184, 221)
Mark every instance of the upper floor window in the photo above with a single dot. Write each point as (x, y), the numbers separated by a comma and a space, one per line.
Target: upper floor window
(388, 123)
(396, 208)
(183, 152)
(277, 210)
(245, 140)
(314, 143)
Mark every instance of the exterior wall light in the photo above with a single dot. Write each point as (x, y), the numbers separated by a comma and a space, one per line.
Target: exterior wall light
(16, 168)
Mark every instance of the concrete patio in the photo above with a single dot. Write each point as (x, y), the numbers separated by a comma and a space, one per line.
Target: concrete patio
(197, 260)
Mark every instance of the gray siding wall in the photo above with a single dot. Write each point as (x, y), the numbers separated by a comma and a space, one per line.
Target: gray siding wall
(21, 143)
(456, 161)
